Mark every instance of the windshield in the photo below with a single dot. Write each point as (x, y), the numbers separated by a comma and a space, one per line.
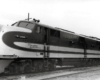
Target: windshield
(27, 25)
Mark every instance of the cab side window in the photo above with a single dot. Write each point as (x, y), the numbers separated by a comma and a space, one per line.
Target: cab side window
(38, 29)
(41, 30)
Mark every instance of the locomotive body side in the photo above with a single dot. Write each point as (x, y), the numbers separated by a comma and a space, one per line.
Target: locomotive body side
(30, 44)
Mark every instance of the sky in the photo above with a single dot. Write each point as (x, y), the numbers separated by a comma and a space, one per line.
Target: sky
(79, 16)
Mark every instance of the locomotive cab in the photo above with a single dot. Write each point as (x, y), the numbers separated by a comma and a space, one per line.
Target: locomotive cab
(38, 36)
(36, 29)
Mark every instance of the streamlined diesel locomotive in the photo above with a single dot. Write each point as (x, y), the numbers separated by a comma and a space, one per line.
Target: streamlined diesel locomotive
(28, 46)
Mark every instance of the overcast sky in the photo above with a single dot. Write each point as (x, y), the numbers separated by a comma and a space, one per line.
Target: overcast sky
(80, 16)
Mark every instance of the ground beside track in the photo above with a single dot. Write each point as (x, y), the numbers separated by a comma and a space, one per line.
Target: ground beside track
(84, 73)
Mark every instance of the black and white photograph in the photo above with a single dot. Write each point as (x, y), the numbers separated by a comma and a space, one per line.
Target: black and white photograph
(49, 39)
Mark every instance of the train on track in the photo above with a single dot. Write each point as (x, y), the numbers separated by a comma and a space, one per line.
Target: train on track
(28, 46)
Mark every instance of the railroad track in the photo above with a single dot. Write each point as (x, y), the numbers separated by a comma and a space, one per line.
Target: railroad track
(64, 71)
(91, 73)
